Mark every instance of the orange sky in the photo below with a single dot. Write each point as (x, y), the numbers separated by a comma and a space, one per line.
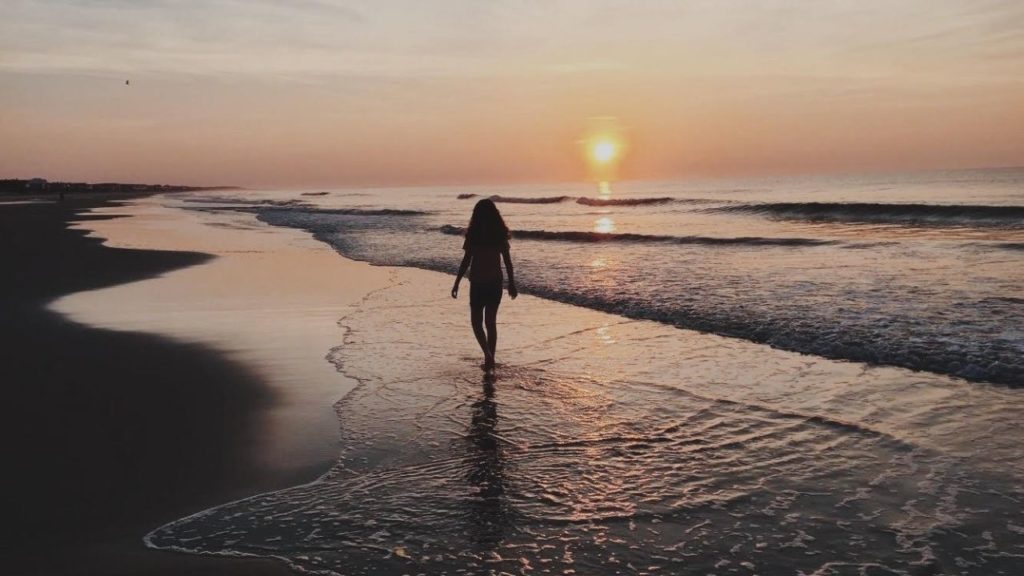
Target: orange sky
(317, 92)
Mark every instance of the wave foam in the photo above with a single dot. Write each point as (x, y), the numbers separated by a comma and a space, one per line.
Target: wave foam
(589, 237)
(528, 200)
(591, 201)
(588, 201)
(354, 211)
(920, 214)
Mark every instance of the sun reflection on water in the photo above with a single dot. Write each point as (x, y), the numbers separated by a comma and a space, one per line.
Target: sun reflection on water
(604, 225)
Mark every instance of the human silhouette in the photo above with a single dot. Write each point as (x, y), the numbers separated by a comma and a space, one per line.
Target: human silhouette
(486, 245)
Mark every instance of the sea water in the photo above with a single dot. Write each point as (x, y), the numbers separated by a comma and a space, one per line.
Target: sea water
(922, 271)
(612, 441)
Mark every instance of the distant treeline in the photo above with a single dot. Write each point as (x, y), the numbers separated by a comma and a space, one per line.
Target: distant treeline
(39, 185)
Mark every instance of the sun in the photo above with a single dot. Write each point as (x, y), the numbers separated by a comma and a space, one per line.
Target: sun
(604, 151)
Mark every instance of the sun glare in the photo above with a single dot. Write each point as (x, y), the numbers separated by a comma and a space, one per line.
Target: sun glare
(604, 151)
(604, 225)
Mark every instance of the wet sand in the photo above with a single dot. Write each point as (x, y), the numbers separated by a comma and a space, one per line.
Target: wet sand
(107, 434)
(602, 441)
(270, 300)
(604, 445)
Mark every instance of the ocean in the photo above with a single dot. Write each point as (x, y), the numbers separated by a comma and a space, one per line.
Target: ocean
(812, 375)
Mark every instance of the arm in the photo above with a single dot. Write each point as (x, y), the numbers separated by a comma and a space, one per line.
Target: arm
(512, 290)
(462, 271)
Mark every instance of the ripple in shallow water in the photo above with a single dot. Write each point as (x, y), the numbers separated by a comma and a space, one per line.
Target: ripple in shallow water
(545, 472)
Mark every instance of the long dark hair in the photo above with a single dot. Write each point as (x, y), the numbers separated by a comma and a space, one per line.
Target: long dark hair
(486, 226)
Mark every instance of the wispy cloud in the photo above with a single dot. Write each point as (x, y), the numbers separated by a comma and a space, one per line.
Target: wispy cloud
(362, 89)
(462, 37)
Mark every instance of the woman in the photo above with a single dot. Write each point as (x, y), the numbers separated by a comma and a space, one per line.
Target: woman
(486, 244)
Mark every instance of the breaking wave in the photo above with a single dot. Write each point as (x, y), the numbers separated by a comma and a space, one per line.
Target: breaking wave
(917, 214)
(237, 201)
(586, 236)
(528, 200)
(1016, 246)
(587, 201)
(591, 201)
(349, 211)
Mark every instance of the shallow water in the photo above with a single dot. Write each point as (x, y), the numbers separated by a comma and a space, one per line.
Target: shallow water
(614, 446)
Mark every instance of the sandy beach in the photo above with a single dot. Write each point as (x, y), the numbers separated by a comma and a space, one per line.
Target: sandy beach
(115, 431)
(331, 415)
(512, 288)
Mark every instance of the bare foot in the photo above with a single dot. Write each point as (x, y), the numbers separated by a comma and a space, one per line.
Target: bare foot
(488, 364)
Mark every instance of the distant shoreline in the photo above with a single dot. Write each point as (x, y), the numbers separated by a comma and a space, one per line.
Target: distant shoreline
(34, 187)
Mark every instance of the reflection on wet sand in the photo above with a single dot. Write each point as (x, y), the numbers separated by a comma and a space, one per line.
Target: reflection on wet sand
(485, 471)
(604, 461)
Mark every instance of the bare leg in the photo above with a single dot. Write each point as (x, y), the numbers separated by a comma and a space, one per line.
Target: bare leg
(491, 321)
(476, 318)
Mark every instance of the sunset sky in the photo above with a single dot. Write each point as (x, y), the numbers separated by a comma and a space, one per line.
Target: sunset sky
(330, 92)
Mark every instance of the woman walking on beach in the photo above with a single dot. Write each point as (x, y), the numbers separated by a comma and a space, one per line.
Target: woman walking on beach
(486, 245)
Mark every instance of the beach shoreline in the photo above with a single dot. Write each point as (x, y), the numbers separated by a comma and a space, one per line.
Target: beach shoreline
(97, 460)
(427, 464)
(739, 452)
